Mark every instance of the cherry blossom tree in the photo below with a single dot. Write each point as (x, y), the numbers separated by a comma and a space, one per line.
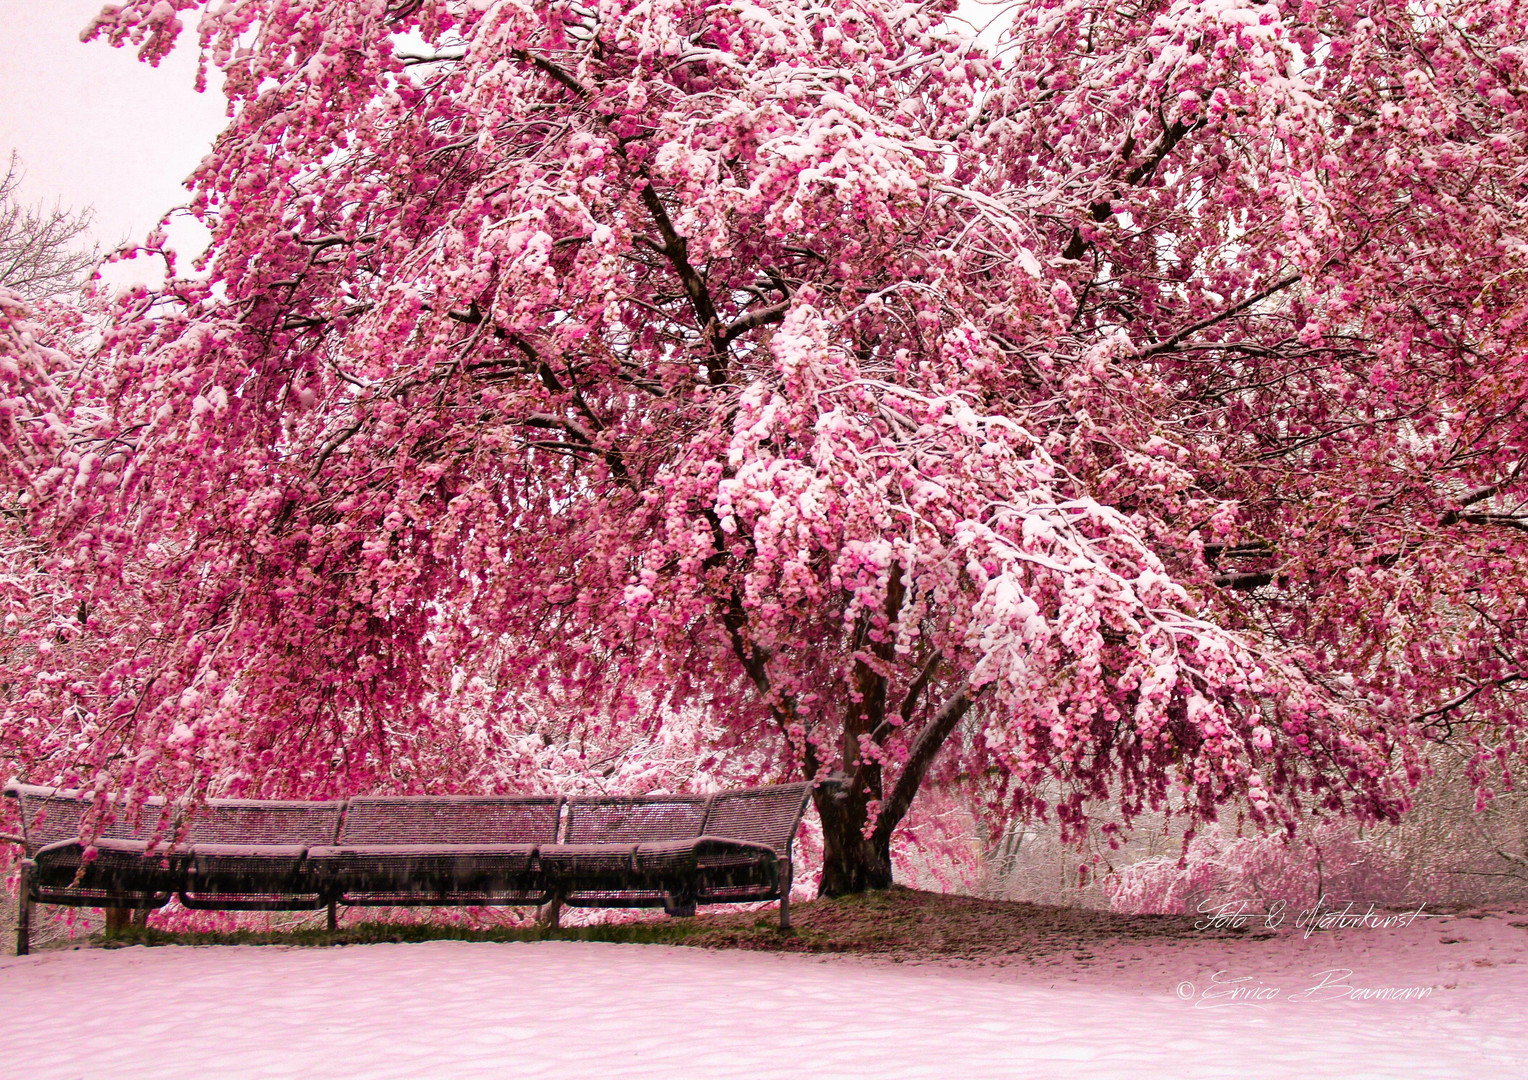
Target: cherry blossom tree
(1131, 408)
(37, 407)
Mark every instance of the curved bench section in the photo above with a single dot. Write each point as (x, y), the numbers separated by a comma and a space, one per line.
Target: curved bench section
(122, 865)
(669, 851)
(250, 855)
(448, 851)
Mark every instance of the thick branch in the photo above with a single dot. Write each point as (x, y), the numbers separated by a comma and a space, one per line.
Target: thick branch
(675, 247)
(920, 756)
(1243, 582)
(1470, 695)
(330, 447)
(546, 67)
(866, 714)
(1204, 324)
(1480, 494)
(1506, 521)
(613, 459)
(1101, 211)
(755, 319)
(676, 250)
(910, 700)
(1171, 137)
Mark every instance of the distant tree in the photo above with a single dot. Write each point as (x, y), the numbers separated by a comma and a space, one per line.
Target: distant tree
(1133, 410)
(43, 250)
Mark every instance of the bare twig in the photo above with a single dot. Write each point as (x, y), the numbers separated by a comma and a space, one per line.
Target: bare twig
(43, 251)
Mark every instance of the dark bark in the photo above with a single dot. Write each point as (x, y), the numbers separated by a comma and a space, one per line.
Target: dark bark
(851, 862)
(549, 914)
(920, 756)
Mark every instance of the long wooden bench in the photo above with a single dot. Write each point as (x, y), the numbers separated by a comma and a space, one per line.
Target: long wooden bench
(669, 851)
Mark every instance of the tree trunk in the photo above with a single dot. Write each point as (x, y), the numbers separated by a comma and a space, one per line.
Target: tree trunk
(117, 919)
(549, 914)
(851, 863)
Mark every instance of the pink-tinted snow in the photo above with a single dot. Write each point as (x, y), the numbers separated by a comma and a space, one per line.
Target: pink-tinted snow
(572, 1010)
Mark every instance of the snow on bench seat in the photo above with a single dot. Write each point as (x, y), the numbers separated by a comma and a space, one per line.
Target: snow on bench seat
(439, 849)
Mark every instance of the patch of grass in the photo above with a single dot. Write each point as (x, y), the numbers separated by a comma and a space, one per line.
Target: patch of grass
(374, 933)
(897, 923)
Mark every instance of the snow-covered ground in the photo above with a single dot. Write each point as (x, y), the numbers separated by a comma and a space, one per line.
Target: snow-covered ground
(449, 1010)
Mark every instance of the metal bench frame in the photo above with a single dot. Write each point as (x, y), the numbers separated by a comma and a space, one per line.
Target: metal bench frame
(669, 851)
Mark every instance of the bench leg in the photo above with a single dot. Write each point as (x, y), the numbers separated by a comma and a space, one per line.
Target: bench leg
(678, 906)
(786, 873)
(334, 916)
(24, 910)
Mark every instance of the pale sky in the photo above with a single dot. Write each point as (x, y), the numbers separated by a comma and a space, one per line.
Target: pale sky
(97, 127)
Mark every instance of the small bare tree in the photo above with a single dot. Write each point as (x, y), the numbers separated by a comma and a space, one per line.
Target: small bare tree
(43, 250)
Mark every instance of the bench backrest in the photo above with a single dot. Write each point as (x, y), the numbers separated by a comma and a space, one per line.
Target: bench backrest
(249, 821)
(767, 815)
(635, 820)
(49, 815)
(452, 820)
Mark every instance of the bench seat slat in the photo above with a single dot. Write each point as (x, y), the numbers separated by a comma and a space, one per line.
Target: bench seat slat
(79, 896)
(254, 901)
(399, 850)
(572, 863)
(273, 873)
(256, 853)
(701, 852)
(414, 869)
(529, 895)
(618, 897)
